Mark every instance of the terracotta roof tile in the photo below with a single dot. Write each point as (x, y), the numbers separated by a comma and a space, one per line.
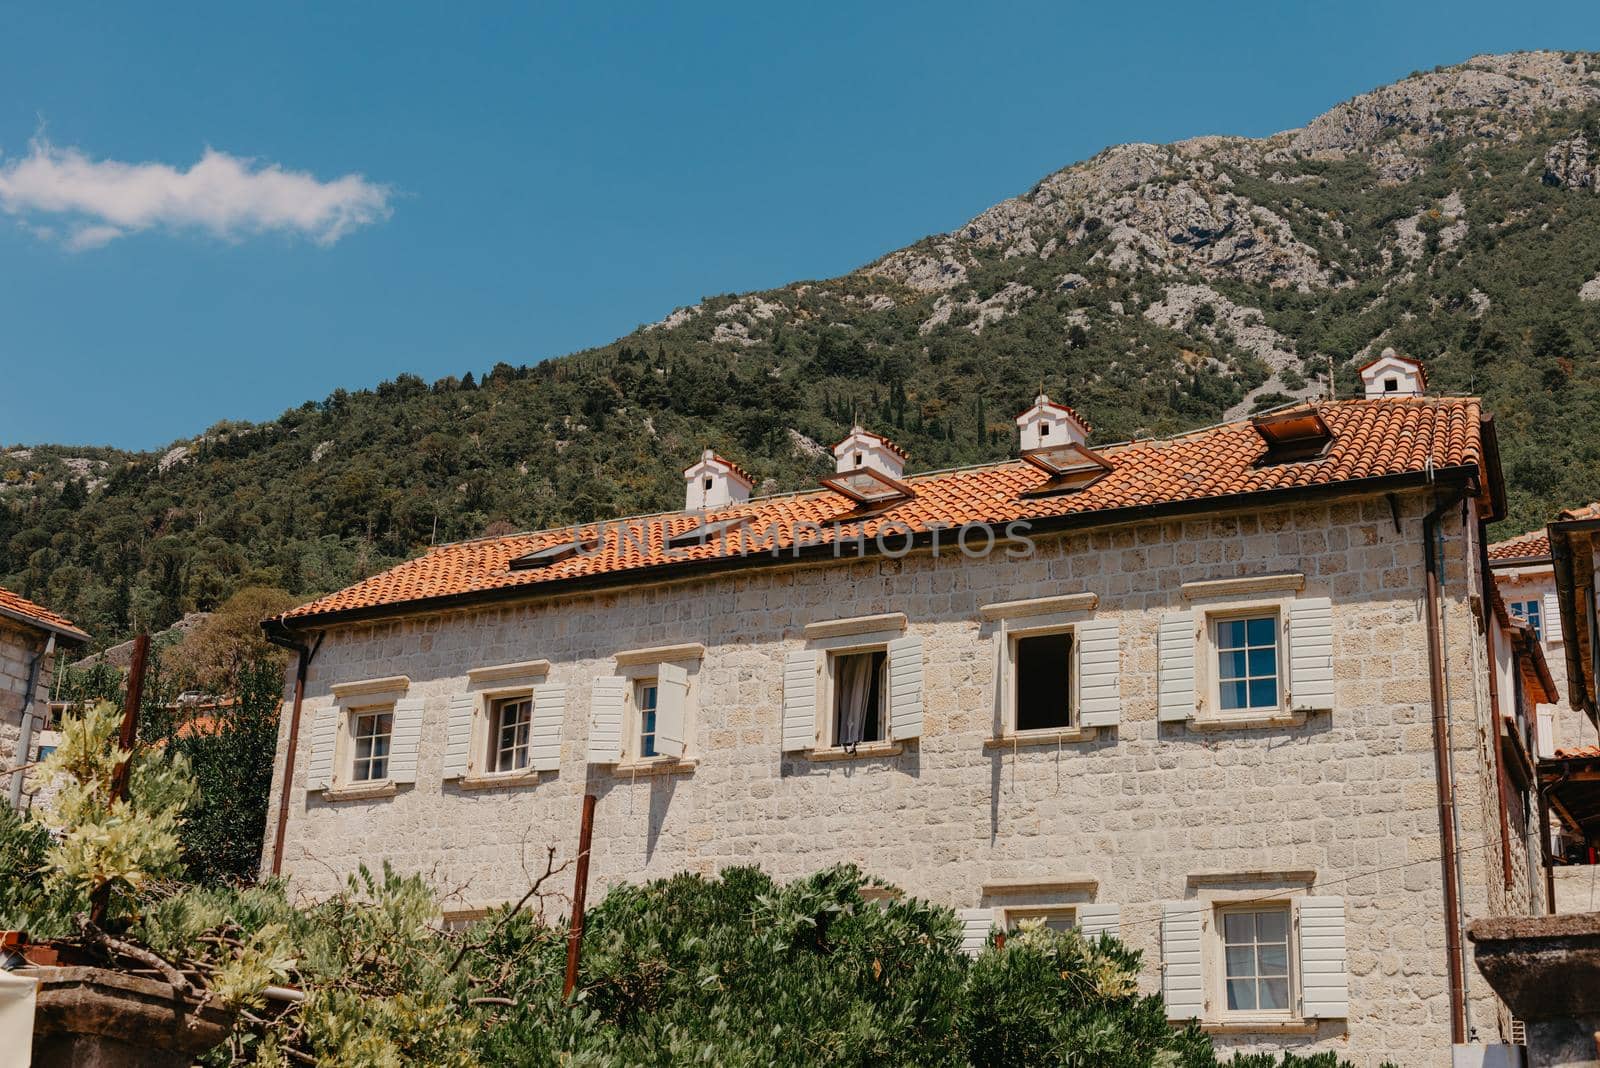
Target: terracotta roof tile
(1587, 511)
(1582, 752)
(1534, 545)
(1392, 436)
(19, 607)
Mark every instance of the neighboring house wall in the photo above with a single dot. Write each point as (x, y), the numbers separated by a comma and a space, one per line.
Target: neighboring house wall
(1138, 825)
(18, 647)
(1578, 888)
(1519, 585)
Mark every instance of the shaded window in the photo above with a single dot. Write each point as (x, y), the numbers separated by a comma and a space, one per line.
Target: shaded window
(858, 689)
(512, 720)
(644, 698)
(1044, 684)
(1255, 945)
(1247, 663)
(371, 733)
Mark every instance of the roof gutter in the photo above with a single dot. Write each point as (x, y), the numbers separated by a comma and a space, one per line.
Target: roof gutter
(279, 634)
(1467, 476)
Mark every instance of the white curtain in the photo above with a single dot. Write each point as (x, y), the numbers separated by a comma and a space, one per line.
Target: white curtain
(855, 687)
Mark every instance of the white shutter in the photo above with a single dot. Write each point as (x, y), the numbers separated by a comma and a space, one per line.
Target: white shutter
(905, 688)
(406, 740)
(1098, 918)
(1552, 620)
(544, 733)
(1175, 666)
(324, 739)
(1099, 673)
(1182, 979)
(672, 697)
(975, 925)
(1311, 654)
(1324, 981)
(605, 719)
(799, 702)
(458, 734)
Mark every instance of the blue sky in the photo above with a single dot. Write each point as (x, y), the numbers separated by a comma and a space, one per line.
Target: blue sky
(536, 180)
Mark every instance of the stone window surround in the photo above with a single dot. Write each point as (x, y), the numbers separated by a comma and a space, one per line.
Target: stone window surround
(830, 638)
(1029, 618)
(1218, 600)
(517, 680)
(640, 665)
(352, 699)
(1036, 897)
(1220, 890)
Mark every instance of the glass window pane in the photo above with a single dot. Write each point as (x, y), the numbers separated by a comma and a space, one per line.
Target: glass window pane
(1238, 927)
(1230, 665)
(1272, 960)
(1241, 994)
(363, 748)
(1263, 662)
(380, 745)
(384, 723)
(1264, 693)
(1273, 925)
(1274, 993)
(1241, 961)
(1232, 695)
(380, 768)
(1230, 633)
(1263, 631)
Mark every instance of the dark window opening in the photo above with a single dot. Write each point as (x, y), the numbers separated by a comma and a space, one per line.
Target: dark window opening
(858, 689)
(1391, 385)
(1044, 430)
(708, 483)
(1044, 682)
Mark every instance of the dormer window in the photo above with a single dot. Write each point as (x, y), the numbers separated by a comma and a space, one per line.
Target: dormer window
(1391, 385)
(1393, 375)
(714, 482)
(709, 482)
(1044, 431)
(858, 459)
(1048, 422)
(1292, 436)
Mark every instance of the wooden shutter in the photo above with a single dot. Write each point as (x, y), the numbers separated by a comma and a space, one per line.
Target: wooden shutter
(975, 925)
(672, 699)
(1099, 673)
(1324, 979)
(1182, 978)
(544, 733)
(458, 734)
(1311, 654)
(1552, 619)
(905, 688)
(605, 719)
(1098, 918)
(324, 739)
(799, 701)
(1175, 666)
(406, 740)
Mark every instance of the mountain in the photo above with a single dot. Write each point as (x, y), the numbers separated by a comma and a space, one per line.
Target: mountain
(1453, 215)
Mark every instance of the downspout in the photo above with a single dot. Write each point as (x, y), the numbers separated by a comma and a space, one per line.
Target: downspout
(278, 634)
(1442, 763)
(25, 729)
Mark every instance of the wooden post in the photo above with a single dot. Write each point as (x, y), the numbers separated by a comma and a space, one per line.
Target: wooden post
(580, 887)
(125, 740)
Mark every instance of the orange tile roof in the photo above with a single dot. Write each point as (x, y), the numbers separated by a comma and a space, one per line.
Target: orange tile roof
(1372, 439)
(1587, 511)
(1582, 752)
(20, 608)
(1534, 545)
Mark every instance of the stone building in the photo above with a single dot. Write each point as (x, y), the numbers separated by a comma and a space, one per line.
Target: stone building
(31, 636)
(1226, 695)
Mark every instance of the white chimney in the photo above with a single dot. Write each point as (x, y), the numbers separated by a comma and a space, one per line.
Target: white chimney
(714, 482)
(1392, 375)
(1047, 424)
(863, 448)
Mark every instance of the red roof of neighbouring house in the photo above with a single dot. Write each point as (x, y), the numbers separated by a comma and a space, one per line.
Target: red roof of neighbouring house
(1534, 545)
(1582, 752)
(19, 608)
(1372, 439)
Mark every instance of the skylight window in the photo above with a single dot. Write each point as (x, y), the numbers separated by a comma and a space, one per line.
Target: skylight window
(702, 533)
(866, 485)
(1071, 467)
(553, 554)
(1295, 435)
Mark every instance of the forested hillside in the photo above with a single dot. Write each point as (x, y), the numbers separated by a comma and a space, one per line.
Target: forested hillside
(1454, 215)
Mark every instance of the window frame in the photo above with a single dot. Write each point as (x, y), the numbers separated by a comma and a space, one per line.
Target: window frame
(1535, 620)
(1011, 634)
(637, 666)
(352, 720)
(1218, 993)
(828, 725)
(1207, 651)
(1011, 915)
(637, 711)
(494, 706)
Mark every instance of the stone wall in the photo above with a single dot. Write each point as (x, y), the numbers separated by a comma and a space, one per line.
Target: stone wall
(1141, 808)
(1578, 888)
(18, 646)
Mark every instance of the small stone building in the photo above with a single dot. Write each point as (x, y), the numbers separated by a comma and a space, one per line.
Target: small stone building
(1199, 692)
(31, 637)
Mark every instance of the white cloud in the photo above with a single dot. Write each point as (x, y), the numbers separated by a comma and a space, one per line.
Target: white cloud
(99, 201)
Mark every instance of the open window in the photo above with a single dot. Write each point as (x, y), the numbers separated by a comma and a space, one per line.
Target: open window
(510, 733)
(1042, 681)
(642, 719)
(859, 683)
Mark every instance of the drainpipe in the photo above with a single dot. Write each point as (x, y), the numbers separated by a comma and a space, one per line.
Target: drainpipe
(25, 734)
(1441, 756)
(278, 634)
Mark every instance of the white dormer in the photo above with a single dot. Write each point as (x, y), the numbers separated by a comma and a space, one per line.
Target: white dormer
(714, 482)
(863, 448)
(1047, 424)
(1392, 375)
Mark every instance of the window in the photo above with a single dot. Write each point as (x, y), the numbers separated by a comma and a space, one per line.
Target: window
(1043, 687)
(1528, 612)
(1044, 430)
(708, 482)
(511, 721)
(1061, 919)
(371, 732)
(1247, 663)
(644, 699)
(1255, 946)
(1391, 385)
(858, 689)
